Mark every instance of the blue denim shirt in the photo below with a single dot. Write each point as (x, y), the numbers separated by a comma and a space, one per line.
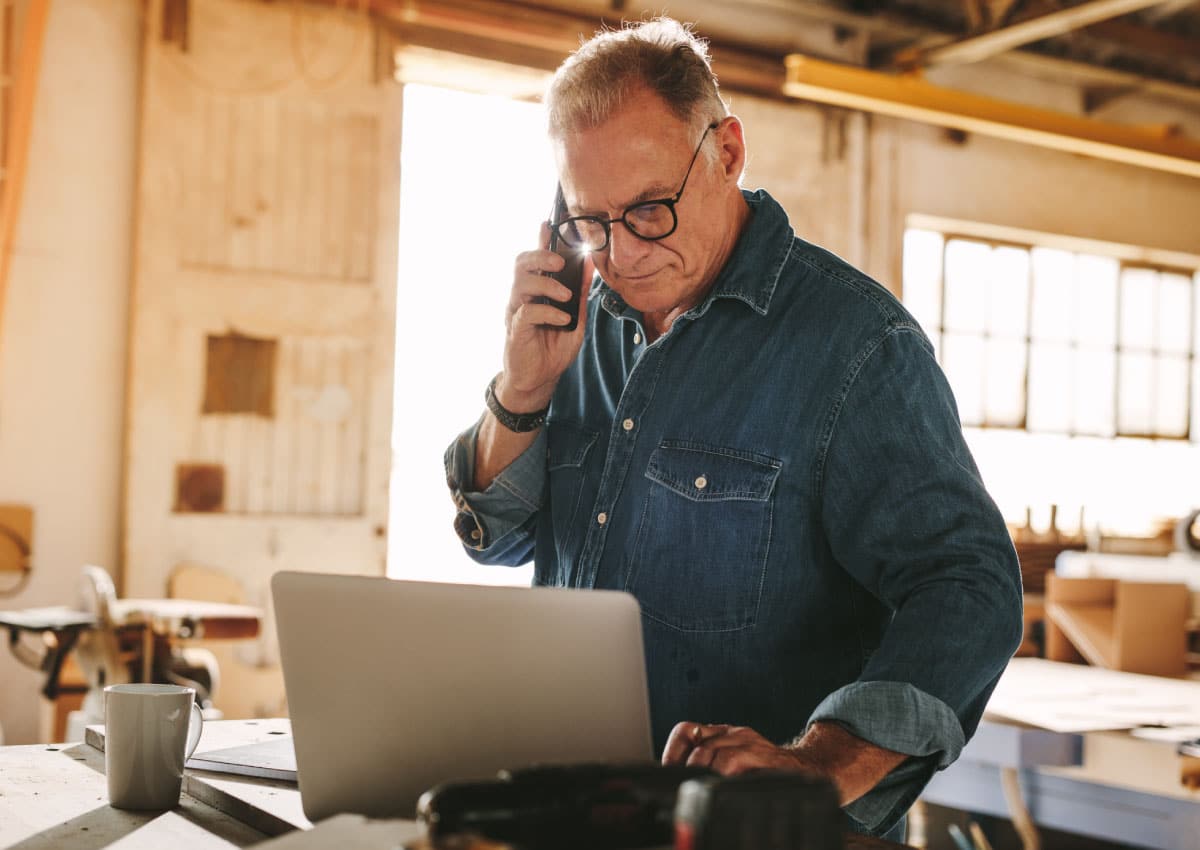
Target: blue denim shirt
(782, 482)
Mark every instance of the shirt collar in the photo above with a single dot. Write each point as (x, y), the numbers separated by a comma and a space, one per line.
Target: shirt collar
(752, 271)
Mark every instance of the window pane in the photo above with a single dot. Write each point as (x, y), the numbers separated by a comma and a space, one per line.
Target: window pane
(1195, 430)
(1050, 373)
(1097, 300)
(1053, 294)
(923, 277)
(966, 284)
(1136, 394)
(1008, 292)
(1174, 313)
(963, 362)
(1170, 390)
(1137, 308)
(1196, 360)
(1005, 382)
(1095, 390)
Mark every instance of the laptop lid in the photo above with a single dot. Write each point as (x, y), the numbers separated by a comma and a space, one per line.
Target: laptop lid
(396, 686)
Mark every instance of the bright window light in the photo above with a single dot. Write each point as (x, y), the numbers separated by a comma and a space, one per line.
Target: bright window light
(1071, 371)
(477, 177)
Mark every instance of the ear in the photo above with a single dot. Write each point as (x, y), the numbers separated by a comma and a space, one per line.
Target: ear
(731, 141)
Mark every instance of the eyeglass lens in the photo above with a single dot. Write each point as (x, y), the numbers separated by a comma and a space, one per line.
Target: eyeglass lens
(649, 221)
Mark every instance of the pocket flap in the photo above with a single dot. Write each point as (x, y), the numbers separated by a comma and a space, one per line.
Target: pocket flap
(704, 473)
(567, 444)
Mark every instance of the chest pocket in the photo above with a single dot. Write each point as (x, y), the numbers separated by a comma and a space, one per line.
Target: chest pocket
(567, 447)
(699, 558)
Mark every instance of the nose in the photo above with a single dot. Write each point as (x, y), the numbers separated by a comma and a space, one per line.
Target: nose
(624, 249)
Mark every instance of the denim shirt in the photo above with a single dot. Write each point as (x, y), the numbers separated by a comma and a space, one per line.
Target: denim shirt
(782, 483)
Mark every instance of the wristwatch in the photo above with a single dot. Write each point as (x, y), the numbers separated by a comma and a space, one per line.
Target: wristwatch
(517, 422)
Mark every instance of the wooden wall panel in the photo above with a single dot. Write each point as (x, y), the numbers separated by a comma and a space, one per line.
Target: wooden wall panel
(307, 459)
(277, 186)
(268, 205)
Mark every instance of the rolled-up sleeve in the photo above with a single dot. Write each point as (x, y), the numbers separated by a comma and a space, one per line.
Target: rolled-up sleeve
(906, 514)
(496, 525)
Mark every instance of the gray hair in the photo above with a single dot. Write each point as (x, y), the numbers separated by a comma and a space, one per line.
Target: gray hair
(662, 55)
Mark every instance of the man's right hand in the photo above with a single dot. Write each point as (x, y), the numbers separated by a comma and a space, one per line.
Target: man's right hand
(536, 355)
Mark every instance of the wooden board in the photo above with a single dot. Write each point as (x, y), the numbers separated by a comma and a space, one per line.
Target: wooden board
(55, 797)
(269, 807)
(16, 520)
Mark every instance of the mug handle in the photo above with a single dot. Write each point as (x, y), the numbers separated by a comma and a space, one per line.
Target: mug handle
(198, 727)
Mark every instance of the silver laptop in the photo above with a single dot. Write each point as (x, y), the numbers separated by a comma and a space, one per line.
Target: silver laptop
(396, 686)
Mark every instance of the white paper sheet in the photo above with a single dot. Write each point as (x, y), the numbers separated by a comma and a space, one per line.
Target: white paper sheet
(1077, 698)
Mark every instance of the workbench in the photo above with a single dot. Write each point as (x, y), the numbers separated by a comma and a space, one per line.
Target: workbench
(54, 797)
(1132, 786)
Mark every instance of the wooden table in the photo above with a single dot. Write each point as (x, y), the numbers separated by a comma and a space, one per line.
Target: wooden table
(54, 797)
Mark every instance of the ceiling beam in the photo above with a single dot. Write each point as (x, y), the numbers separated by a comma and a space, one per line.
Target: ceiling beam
(986, 45)
(543, 38)
(538, 35)
(911, 98)
(1163, 44)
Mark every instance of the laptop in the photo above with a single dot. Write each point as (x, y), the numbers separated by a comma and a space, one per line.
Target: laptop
(396, 686)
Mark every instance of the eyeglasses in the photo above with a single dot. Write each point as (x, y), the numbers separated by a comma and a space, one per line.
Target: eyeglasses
(649, 220)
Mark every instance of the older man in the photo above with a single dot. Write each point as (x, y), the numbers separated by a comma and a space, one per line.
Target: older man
(750, 436)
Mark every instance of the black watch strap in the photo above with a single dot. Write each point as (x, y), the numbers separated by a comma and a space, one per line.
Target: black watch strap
(518, 422)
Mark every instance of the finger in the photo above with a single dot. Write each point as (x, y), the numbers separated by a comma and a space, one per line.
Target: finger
(683, 735)
(528, 287)
(539, 314)
(700, 756)
(536, 262)
(731, 761)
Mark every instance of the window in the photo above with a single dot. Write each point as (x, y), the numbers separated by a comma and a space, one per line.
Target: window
(465, 158)
(1057, 341)
(1074, 365)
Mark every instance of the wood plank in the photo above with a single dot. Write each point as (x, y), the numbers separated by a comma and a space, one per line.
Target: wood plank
(16, 538)
(291, 177)
(266, 806)
(240, 181)
(360, 224)
(56, 796)
(1089, 628)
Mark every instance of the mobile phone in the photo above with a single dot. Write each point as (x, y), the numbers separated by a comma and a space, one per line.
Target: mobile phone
(572, 272)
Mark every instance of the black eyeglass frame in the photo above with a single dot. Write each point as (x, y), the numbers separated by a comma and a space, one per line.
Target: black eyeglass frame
(669, 203)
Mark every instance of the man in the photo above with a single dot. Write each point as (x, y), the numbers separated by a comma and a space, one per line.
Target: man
(750, 436)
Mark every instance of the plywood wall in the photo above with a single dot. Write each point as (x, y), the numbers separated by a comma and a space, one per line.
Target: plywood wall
(267, 218)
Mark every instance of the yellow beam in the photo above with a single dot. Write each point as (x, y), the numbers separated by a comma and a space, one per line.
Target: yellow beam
(911, 98)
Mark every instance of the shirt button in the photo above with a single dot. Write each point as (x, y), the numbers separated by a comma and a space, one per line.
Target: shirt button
(637, 339)
(701, 483)
(602, 518)
(627, 424)
(476, 534)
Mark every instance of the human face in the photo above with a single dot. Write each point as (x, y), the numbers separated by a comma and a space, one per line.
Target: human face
(650, 220)
(642, 153)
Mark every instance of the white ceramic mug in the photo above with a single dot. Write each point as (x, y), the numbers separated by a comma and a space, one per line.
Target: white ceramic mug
(146, 742)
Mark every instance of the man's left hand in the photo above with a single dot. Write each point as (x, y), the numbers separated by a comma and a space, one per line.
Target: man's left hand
(853, 765)
(729, 750)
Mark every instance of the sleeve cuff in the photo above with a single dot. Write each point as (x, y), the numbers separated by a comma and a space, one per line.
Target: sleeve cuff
(901, 718)
(517, 493)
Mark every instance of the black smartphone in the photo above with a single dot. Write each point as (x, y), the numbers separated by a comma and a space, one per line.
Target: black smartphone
(572, 273)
